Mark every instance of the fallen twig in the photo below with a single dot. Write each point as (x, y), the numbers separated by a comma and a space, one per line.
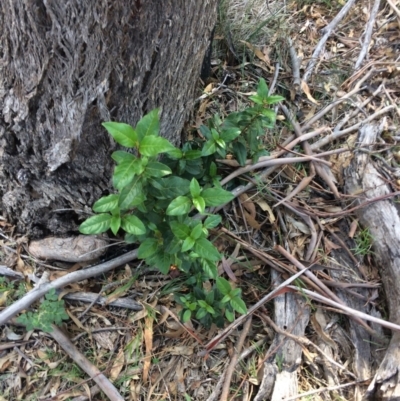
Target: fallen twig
(70, 278)
(101, 380)
(368, 34)
(326, 32)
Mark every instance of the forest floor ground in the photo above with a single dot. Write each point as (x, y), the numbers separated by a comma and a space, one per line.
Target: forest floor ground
(333, 88)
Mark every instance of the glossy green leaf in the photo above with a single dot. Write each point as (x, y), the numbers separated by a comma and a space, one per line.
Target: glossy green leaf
(187, 314)
(205, 131)
(156, 169)
(223, 286)
(147, 248)
(274, 99)
(123, 174)
(206, 250)
(180, 230)
(122, 133)
(199, 203)
(192, 154)
(188, 244)
(212, 221)
(154, 145)
(229, 134)
(148, 125)
(197, 231)
(209, 268)
(195, 188)
(106, 204)
(179, 206)
(132, 195)
(214, 134)
(96, 224)
(120, 156)
(230, 316)
(115, 224)
(238, 305)
(209, 148)
(162, 261)
(240, 153)
(262, 89)
(216, 196)
(174, 186)
(133, 225)
(175, 154)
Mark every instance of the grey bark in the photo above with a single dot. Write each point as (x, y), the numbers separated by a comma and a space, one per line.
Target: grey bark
(367, 180)
(66, 66)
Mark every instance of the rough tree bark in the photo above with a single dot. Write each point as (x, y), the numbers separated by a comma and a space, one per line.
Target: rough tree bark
(65, 67)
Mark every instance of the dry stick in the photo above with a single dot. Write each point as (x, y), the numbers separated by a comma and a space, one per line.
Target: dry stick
(303, 341)
(277, 291)
(295, 65)
(368, 34)
(336, 135)
(234, 359)
(330, 106)
(324, 288)
(70, 278)
(86, 365)
(320, 390)
(291, 142)
(327, 32)
(345, 309)
(394, 7)
(274, 80)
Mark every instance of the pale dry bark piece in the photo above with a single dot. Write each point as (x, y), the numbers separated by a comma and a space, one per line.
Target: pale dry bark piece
(280, 369)
(383, 221)
(81, 248)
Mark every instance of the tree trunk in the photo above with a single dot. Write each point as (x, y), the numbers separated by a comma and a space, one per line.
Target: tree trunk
(65, 67)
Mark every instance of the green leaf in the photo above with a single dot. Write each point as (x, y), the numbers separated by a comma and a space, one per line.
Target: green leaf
(199, 204)
(133, 225)
(212, 221)
(187, 314)
(147, 248)
(156, 169)
(197, 231)
(213, 170)
(209, 268)
(215, 134)
(209, 148)
(262, 89)
(221, 143)
(195, 188)
(123, 174)
(205, 131)
(175, 154)
(216, 196)
(179, 206)
(223, 286)
(240, 153)
(120, 156)
(148, 125)
(230, 316)
(153, 146)
(229, 134)
(206, 250)
(115, 224)
(180, 230)
(132, 195)
(124, 134)
(96, 224)
(201, 313)
(175, 186)
(192, 154)
(162, 261)
(106, 204)
(238, 305)
(274, 99)
(188, 244)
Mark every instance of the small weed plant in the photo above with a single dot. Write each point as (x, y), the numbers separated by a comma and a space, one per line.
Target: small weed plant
(51, 311)
(161, 200)
(162, 196)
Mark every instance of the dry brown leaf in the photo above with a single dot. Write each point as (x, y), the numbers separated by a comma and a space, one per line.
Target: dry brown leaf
(318, 321)
(118, 364)
(353, 228)
(329, 245)
(257, 52)
(251, 220)
(180, 350)
(148, 340)
(266, 208)
(248, 204)
(306, 90)
(208, 88)
(226, 265)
